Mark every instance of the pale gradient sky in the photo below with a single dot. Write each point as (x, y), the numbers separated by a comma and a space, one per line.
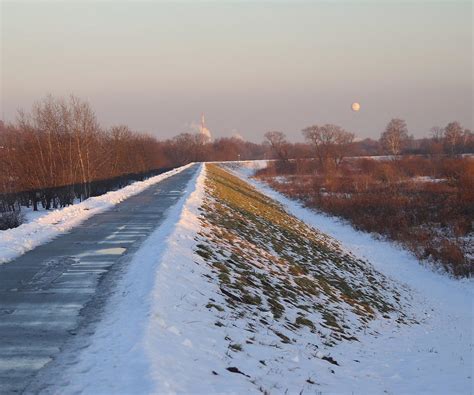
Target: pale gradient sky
(249, 66)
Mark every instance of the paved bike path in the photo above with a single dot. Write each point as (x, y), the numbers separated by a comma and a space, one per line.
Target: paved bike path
(43, 293)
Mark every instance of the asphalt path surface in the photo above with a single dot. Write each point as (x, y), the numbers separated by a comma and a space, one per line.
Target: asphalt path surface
(51, 292)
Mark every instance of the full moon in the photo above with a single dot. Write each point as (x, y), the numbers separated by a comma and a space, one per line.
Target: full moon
(355, 106)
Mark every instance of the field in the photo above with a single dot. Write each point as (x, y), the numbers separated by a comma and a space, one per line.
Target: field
(425, 204)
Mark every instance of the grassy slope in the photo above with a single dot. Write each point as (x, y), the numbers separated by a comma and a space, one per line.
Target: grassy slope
(282, 276)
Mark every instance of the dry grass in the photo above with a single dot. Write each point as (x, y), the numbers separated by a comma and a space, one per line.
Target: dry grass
(432, 216)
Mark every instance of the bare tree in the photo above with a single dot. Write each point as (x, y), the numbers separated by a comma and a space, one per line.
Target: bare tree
(342, 146)
(182, 148)
(468, 141)
(330, 143)
(395, 136)
(436, 133)
(227, 148)
(453, 136)
(434, 145)
(278, 143)
(59, 147)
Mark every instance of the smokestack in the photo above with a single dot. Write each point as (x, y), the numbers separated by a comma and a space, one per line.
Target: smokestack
(205, 132)
(203, 123)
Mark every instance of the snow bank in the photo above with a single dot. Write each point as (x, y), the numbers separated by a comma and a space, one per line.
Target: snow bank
(17, 241)
(116, 357)
(184, 346)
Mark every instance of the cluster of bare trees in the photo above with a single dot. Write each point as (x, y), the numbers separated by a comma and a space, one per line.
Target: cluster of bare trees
(192, 147)
(329, 144)
(450, 140)
(395, 136)
(58, 152)
(279, 144)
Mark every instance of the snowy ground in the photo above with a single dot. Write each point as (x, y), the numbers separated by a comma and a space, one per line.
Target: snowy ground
(30, 215)
(160, 334)
(436, 356)
(43, 226)
(115, 358)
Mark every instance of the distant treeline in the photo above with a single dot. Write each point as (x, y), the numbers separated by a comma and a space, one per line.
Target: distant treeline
(330, 144)
(58, 152)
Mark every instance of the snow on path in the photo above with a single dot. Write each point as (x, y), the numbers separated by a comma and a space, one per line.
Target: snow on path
(115, 359)
(169, 344)
(436, 356)
(155, 336)
(30, 215)
(184, 346)
(17, 241)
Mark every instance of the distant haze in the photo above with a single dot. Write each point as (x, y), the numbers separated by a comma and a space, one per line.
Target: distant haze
(250, 67)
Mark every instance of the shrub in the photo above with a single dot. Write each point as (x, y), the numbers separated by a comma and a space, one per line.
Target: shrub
(429, 217)
(11, 219)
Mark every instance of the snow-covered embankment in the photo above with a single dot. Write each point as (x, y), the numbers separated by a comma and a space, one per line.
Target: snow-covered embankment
(437, 355)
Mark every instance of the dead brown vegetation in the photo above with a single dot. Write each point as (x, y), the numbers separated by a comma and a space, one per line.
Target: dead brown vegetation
(58, 152)
(427, 204)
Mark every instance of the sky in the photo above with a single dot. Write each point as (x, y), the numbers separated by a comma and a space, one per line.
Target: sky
(249, 66)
